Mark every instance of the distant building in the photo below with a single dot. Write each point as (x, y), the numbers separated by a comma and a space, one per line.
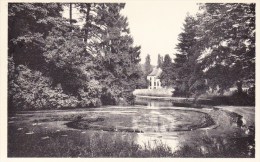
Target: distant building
(153, 78)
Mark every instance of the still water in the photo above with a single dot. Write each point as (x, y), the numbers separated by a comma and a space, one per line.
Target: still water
(164, 122)
(149, 122)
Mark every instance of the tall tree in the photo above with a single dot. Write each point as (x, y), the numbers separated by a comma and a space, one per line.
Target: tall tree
(118, 58)
(229, 31)
(142, 81)
(70, 5)
(167, 76)
(217, 45)
(185, 60)
(147, 65)
(86, 8)
(159, 61)
(28, 26)
(67, 71)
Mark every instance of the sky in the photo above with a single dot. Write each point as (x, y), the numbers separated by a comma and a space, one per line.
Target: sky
(156, 25)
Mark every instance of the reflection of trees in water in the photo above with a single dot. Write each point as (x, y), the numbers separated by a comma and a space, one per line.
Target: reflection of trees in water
(155, 120)
(149, 121)
(152, 103)
(157, 104)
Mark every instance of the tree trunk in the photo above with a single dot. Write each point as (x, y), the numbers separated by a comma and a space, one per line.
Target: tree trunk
(70, 13)
(87, 23)
(239, 87)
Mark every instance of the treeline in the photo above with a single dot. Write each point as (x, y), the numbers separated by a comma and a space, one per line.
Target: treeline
(216, 51)
(53, 63)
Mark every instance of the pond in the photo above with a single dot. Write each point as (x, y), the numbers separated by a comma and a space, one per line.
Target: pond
(152, 123)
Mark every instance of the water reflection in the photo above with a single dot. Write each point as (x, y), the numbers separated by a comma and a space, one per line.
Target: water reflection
(157, 103)
(165, 126)
(153, 103)
(230, 138)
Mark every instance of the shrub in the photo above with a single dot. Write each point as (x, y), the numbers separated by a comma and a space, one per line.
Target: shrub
(31, 90)
(106, 97)
(90, 96)
(238, 99)
(242, 98)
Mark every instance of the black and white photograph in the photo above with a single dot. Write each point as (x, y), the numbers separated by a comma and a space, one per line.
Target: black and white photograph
(133, 79)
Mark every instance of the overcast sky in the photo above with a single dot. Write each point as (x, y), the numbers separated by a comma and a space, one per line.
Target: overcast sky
(156, 25)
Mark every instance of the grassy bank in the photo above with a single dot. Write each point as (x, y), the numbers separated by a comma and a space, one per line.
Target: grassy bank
(62, 144)
(153, 92)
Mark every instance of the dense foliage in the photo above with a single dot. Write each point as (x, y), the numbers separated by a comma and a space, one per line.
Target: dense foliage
(148, 68)
(54, 63)
(167, 75)
(216, 49)
(145, 70)
(231, 29)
